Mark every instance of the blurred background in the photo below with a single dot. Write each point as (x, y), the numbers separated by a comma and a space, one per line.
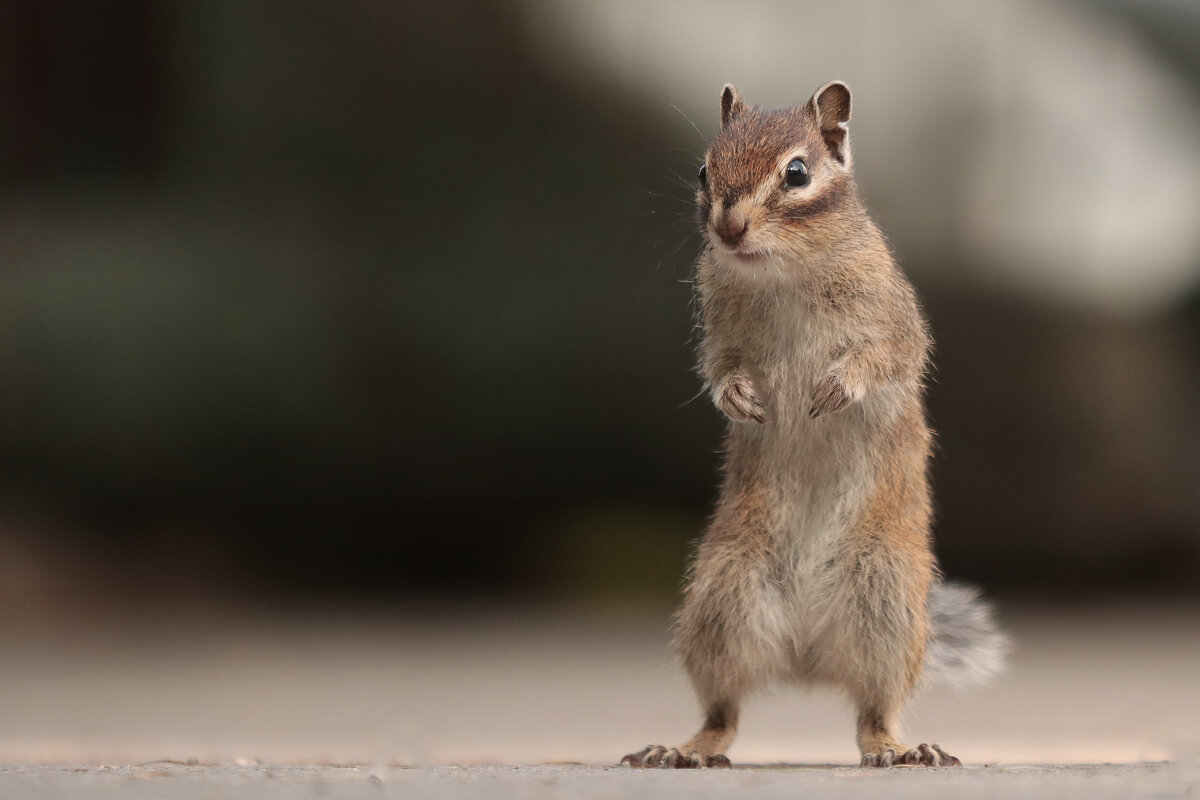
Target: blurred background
(384, 305)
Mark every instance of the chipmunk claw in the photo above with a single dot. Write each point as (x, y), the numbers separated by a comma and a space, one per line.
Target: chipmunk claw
(923, 755)
(647, 757)
(739, 401)
(655, 756)
(883, 760)
(829, 396)
(929, 755)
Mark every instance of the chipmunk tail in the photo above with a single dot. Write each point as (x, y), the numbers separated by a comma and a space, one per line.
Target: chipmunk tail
(965, 644)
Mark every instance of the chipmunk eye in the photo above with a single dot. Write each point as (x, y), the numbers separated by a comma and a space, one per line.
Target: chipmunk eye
(796, 174)
(702, 175)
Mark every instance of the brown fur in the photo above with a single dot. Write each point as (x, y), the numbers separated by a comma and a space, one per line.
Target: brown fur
(817, 563)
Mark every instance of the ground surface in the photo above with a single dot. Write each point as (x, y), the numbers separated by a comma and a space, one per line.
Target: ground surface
(168, 780)
(389, 703)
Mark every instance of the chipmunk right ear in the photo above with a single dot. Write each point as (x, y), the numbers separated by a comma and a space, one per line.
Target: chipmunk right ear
(831, 104)
(731, 103)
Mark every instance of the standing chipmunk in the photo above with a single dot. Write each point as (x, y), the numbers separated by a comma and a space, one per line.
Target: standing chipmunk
(817, 564)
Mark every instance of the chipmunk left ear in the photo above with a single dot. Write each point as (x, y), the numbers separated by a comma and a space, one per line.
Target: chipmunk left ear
(731, 103)
(831, 104)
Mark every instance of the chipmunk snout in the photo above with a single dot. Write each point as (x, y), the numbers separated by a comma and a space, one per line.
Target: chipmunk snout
(731, 228)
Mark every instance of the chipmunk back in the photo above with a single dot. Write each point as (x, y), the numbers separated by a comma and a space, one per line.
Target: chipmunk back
(817, 566)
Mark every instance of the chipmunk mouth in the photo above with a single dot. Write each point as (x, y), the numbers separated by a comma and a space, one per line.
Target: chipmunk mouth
(749, 255)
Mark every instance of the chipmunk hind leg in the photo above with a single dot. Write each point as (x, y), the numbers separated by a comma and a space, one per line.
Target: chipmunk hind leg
(712, 642)
(887, 642)
(729, 632)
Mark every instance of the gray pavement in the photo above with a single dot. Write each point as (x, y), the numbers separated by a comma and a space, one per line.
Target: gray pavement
(537, 703)
(170, 780)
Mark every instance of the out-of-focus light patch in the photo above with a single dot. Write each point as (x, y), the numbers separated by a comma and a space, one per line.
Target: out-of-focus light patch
(1040, 147)
(1089, 165)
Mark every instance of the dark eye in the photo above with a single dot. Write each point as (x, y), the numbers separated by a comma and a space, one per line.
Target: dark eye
(796, 174)
(702, 175)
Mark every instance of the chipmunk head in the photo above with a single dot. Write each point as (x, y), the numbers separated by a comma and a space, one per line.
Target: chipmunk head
(771, 179)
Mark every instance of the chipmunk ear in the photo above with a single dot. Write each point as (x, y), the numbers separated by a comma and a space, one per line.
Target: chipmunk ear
(831, 104)
(731, 104)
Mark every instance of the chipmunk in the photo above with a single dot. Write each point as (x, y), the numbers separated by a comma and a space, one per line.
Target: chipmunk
(817, 565)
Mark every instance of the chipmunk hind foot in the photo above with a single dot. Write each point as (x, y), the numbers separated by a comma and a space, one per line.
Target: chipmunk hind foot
(657, 756)
(923, 755)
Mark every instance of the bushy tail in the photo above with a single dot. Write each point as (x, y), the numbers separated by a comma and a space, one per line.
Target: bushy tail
(965, 645)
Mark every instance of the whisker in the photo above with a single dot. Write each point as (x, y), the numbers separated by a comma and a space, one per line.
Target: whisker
(672, 198)
(681, 181)
(692, 156)
(672, 228)
(699, 133)
(694, 397)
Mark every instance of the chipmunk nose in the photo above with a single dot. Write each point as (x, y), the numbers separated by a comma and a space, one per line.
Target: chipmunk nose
(731, 228)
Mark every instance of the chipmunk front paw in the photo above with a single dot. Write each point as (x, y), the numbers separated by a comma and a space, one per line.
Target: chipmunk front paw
(657, 756)
(830, 395)
(738, 400)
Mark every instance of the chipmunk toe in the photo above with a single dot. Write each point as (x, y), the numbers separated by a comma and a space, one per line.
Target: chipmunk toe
(655, 756)
(928, 755)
